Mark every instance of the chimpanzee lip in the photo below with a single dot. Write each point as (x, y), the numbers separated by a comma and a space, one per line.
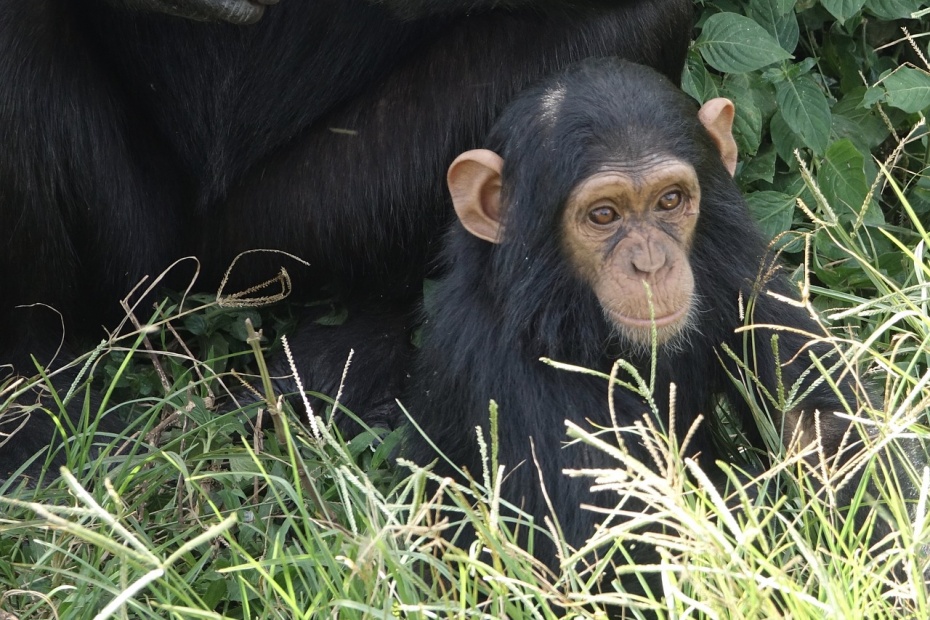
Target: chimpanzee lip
(647, 323)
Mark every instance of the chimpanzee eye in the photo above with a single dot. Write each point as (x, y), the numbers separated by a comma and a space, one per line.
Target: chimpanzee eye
(603, 215)
(671, 200)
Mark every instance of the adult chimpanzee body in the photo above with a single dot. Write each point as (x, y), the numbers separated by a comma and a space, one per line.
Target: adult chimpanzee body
(133, 138)
(594, 185)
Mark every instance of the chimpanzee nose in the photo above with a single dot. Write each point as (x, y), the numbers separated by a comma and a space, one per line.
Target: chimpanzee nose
(647, 258)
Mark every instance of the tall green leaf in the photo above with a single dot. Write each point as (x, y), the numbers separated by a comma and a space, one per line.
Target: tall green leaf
(804, 108)
(843, 182)
(748, 121)
(783, 25)
(772, 211)
(697, 81)
(843, 9)
(894, 9)
(735, 44)
(908, 89)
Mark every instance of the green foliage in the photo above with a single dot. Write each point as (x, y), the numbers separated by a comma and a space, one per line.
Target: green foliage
(736, 44)
(818, 85)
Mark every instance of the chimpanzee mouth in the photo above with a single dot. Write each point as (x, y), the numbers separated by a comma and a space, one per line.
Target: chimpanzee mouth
(672, 331)
(647, 323)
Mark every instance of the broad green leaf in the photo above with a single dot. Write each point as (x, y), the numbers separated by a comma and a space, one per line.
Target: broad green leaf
(919, 194)
(238, 329)
(908, 89)
(758, 168)
(872, 96)
(780, 24)
(735, 44)
(785, 140)
(865, 132)
(788, 71)
(893, 9)
(763, 94)
(843, 9)
(217, 346)
(697, 81)
(832, 265)
(747, 126)
(804, 108)
(843, 182)
(842, 179)
(196, 324)
(773, 211)
(860, 124)
(840, 56)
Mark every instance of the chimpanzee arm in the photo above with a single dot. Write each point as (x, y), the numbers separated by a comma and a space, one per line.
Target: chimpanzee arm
(232, 11)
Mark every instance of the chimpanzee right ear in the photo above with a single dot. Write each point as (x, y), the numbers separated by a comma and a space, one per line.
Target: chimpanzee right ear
(475, 184)
(717, 117)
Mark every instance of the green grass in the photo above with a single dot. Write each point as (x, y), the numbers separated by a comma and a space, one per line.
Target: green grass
(199, 516)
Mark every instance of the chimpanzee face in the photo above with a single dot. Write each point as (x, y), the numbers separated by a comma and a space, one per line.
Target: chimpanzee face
(627, 230)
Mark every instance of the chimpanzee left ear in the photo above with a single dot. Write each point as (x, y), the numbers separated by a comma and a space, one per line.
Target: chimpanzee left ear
(717, 117)
(475, 184)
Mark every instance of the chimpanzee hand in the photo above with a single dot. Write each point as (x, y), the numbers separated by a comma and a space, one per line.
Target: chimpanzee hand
(232, 11)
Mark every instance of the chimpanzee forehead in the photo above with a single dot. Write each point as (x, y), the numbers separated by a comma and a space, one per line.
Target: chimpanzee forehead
(637, 172)
(645, 167)
(610, 139)
(647, 174)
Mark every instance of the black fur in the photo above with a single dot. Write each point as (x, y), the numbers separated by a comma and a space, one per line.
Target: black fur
(502, 307)
(130, 139)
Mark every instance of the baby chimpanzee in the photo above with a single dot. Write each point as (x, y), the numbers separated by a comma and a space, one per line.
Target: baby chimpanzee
(601, 216)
